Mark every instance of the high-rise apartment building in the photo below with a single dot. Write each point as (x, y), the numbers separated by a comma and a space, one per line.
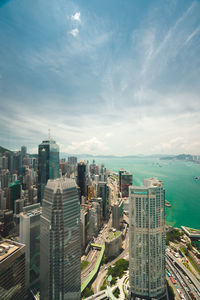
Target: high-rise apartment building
(29, 234)
(48, 164)
(12, 270)
(147, 240)
(60, 242)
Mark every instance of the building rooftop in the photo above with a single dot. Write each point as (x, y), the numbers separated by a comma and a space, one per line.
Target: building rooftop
(31, 210)
(7, 248)
(149, 183)
(112, 235)
(61, 184)
(126, 173)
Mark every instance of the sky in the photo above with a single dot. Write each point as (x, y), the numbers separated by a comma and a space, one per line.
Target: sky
(115, 77)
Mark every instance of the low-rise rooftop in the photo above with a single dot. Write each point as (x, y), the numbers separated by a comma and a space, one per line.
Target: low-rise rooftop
(7, 248)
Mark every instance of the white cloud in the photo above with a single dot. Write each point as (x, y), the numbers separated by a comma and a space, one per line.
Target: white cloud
(91, 146)
(108, 134)
(76, 17)
(33, 150)
(74, 32)
(192, 34)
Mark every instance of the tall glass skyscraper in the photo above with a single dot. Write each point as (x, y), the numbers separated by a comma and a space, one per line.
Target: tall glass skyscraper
(147, 240)
(48, 164)
(81, 178)
(29, 234)
(60, 242)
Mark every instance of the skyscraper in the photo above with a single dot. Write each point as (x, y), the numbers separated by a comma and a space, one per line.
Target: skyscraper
(102, 191)
(81, 178)
(60, 242)
(48, 164)
(125, 180)
(29, 234)
(12, 270)
(147, 240)
(14, 193)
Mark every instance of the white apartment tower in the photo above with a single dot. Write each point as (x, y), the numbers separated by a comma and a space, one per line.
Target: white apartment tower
(147, 240)
(60, 242)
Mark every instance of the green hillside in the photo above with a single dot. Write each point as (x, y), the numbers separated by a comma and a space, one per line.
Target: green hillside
(2, 150)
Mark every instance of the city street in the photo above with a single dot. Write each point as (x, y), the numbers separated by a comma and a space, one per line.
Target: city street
(185, 281)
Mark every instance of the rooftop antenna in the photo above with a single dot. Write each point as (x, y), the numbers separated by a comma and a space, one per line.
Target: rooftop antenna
(49, 133)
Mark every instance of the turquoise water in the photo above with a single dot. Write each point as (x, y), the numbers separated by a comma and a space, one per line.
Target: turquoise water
(182, 191)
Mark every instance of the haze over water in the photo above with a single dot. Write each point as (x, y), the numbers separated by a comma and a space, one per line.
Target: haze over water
(182, 191)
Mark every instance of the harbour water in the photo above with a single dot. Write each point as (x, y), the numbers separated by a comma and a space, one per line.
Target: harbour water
(182, 190)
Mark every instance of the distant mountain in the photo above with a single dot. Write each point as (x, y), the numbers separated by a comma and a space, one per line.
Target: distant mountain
(85, 155)
(3, 150)
(178, 157)
(35, 155)
(187, 157)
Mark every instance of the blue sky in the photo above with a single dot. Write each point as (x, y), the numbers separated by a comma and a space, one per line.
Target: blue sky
(107, 77)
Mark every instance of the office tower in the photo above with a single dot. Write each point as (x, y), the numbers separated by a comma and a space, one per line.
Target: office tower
(2, 200)
(91, 192)
(19, 204)
(117, 213)
(120, 178)
(48, 164)
(72, 160)
(102, 192)
(10, 156)
(100, 202)
(23, 151)
(81, 178)
(60, 241)
(12, 270)
(147, 240)
(3, 162)
(125, 180)
(4, 178)
(84, 216)
(7, 220)
(29, 234)
(14, 193)
(34, 163)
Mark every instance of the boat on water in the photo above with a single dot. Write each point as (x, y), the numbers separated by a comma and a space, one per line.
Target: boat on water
(196, 178)
(167, 204)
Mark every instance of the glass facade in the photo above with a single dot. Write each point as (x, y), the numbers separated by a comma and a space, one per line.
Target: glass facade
(12, 271)
(125, 180)
(81, 178)
(48, 165)
(60, 246)
(30, 235)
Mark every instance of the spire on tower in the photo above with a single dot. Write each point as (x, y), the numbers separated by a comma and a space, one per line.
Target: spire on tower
(49, 133)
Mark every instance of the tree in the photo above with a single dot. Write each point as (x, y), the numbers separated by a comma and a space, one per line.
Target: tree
(118, 270)
(189, 246)
(116, 292)
(88, 292)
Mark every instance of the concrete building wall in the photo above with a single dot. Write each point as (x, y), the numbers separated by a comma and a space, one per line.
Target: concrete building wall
(113, 247)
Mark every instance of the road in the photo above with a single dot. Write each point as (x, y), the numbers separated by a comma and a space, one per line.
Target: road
(86, 272)
(93, 254)
(103, 270)
(181, 284)
(186, 279)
